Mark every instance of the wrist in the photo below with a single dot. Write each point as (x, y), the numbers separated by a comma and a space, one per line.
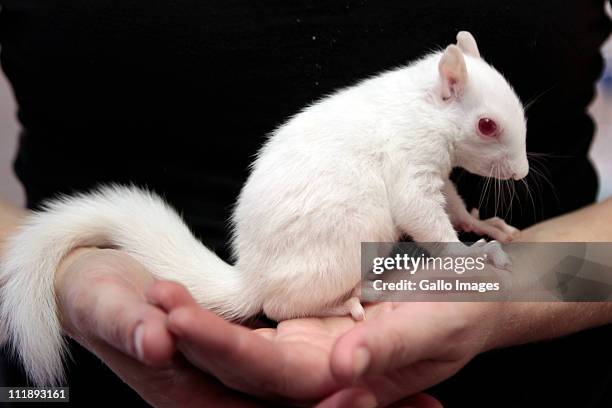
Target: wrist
(525, 322)
(490, 324)
(508, 324)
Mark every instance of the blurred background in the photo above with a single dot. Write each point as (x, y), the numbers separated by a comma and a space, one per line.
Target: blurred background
(600, 109)
(9, 187)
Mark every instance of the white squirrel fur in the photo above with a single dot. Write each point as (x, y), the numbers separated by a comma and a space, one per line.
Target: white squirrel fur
(365, 164)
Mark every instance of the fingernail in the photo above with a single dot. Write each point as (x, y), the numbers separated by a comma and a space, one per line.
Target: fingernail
(361, 361)
(138, 338)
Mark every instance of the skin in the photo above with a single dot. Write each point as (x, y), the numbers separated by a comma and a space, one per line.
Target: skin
(400, 350)
(273, 364)
(105, 320)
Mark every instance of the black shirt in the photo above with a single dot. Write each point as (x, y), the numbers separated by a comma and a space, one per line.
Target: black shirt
(178, 96)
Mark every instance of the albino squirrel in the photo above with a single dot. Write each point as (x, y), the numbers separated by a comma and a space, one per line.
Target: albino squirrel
(368, 163)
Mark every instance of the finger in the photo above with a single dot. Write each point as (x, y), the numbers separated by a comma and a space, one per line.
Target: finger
(168, 295)
(475, 213)
(154, 344)
(394, 386)
(120, 317)
(231, 351)
(418, 401)
(384, 343)
(246, 360)
(350, 398)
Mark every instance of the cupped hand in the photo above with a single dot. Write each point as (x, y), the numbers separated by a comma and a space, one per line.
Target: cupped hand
(307, 360)
(101, 300)
(407, 347)
(101, 296)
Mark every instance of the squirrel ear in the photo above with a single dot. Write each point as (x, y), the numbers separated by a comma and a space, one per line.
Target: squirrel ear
(453, 72)
(467, 43)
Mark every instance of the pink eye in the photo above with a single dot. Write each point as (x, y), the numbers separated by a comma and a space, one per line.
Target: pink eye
(487, 127)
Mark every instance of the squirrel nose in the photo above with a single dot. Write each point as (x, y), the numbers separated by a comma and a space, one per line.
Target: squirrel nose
(519, 176)
(520, 170)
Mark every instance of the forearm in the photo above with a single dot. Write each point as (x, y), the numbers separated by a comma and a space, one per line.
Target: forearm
(526, 322)
(588, 224)
(10, 218)
(523, 322)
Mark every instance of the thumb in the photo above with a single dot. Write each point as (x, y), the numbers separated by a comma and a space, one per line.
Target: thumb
(391, 340)
(101, 300)
(118, 315)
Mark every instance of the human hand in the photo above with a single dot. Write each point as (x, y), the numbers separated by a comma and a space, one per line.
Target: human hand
(102, 303)
(289, 363)
(407, 347)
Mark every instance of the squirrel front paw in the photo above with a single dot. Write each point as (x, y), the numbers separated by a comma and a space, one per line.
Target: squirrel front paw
(494, 253)
(494, 227)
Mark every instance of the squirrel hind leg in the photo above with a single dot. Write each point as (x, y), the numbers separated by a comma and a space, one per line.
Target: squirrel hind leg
(352, 306)
(349, 307)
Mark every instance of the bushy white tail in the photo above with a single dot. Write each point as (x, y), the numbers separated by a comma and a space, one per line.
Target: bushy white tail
(129, 218)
